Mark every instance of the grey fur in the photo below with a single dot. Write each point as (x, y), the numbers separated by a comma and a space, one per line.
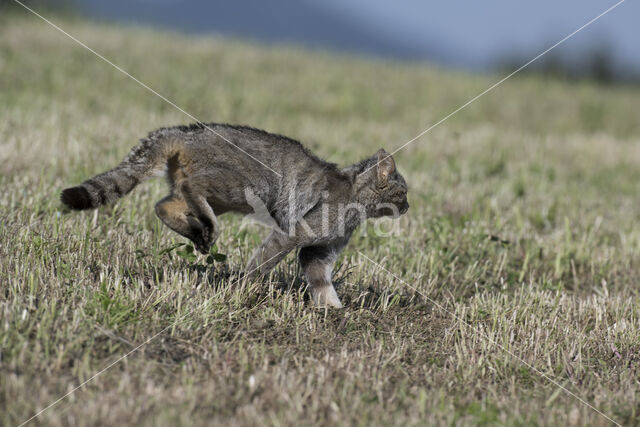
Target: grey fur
(315, 203)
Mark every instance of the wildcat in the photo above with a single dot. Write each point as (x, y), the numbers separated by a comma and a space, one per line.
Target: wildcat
(217, 168)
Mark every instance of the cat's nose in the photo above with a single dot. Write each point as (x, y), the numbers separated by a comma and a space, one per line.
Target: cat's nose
(405, 207)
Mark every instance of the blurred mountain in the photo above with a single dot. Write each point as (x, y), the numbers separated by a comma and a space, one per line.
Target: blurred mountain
(303, 22)
(478, 36)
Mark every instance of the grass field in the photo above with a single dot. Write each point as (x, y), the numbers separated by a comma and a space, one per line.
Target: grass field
(522, 241)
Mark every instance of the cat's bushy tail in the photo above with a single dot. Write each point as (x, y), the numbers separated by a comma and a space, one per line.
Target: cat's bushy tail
(140, 164)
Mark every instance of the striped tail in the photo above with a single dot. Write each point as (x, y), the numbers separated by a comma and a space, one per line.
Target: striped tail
(141, 163)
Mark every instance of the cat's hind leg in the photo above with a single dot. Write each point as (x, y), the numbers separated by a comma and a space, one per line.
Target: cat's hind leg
(202, 211)
(189, 218)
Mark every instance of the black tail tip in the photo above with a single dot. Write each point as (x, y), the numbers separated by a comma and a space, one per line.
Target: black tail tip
(77, 198)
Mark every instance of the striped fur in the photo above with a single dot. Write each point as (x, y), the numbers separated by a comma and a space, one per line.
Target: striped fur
(212, 169)
(141, 163)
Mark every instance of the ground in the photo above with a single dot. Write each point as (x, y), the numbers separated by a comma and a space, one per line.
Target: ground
(514, 271)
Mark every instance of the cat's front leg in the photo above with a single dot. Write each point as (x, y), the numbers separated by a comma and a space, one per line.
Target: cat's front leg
(270, 252)
(317, 264)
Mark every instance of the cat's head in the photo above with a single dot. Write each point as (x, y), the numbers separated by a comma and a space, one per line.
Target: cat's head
(380, 186)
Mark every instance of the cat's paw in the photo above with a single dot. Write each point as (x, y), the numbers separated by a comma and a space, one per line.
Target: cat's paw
(204, 241)
(201, 245)
(325, 296)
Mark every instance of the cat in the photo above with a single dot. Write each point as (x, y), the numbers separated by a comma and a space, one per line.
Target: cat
(216, 168)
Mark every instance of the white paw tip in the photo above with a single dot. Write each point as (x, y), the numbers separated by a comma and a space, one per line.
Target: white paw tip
(325, 297)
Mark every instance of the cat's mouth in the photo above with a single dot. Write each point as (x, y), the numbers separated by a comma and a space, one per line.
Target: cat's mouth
(399, 210)
(387, 212)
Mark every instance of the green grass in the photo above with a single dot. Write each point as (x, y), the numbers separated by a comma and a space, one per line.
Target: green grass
(524, 225)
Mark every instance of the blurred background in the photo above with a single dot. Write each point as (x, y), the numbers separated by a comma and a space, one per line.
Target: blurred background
(474, 36)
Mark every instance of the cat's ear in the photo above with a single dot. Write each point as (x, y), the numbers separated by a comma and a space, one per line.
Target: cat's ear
(385, 165)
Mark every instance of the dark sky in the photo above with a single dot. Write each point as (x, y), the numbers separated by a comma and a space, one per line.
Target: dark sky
(469, 34)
